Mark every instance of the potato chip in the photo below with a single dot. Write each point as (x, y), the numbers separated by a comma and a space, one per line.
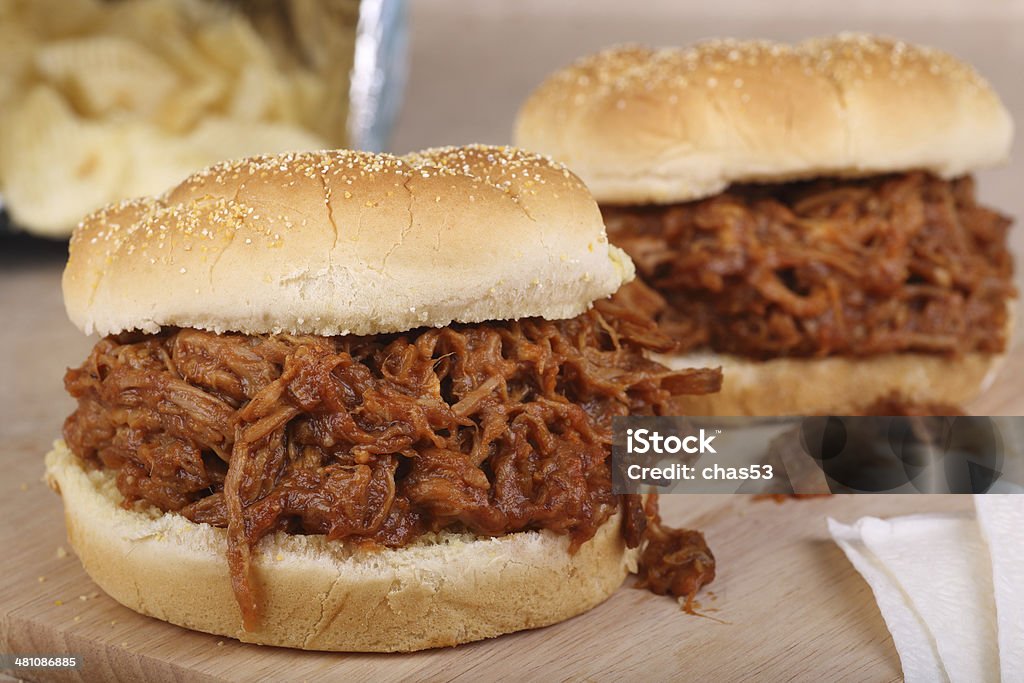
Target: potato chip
(157, 160)
(165, 29)
(112, 99)
(220, 139)
(56, 168)
(191, 103)
(258, 95)
(57, 19)
(102, 76)
(316, 25)
(234, 44)
(15, 68)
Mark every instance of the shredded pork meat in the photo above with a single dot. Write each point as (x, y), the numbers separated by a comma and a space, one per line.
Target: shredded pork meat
(489, 428)
(674, 562)
(901, 263)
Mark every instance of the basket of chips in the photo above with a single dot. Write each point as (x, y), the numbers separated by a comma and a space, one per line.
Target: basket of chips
(101, 101)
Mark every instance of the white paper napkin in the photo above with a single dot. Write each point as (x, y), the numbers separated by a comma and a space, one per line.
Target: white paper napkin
(937, 567)
(1001, 519)
(914, 643)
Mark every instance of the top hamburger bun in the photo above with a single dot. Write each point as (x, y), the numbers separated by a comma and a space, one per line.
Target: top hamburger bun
(346, 242)
(664, 126)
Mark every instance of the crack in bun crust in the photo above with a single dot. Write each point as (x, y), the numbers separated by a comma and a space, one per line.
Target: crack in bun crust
(343, 242)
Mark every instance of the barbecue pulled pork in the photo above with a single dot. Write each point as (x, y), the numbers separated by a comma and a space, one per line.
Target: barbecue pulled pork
(855, 267)
(490, 428)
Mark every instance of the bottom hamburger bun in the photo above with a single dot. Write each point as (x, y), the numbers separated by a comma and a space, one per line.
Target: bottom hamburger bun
(315, 594)
(836, 385)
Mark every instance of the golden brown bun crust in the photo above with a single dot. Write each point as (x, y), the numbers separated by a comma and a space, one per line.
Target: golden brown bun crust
(662, 126)
(346, 242)
(319, 595)
(834, 385)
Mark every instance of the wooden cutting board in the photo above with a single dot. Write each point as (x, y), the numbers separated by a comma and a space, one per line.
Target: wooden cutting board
(786, 604)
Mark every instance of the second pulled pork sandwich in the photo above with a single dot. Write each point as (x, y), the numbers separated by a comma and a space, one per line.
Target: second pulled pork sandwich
(348, 401)
(802, 215)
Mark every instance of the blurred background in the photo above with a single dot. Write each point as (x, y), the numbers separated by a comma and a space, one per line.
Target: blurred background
(113, 98)
(102, 100)
(105, 99)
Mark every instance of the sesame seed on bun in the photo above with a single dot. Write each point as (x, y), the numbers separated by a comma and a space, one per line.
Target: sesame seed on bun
(344, 242)
(643, 125)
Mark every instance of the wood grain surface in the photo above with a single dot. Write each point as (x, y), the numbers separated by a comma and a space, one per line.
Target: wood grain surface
(786, 604)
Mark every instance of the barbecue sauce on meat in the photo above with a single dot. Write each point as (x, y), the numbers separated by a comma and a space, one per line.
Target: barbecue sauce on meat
(673, 562)
(489, 428)
(855, 267)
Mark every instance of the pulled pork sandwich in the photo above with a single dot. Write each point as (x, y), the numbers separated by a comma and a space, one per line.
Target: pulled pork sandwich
(349, 401)
(803, 216)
